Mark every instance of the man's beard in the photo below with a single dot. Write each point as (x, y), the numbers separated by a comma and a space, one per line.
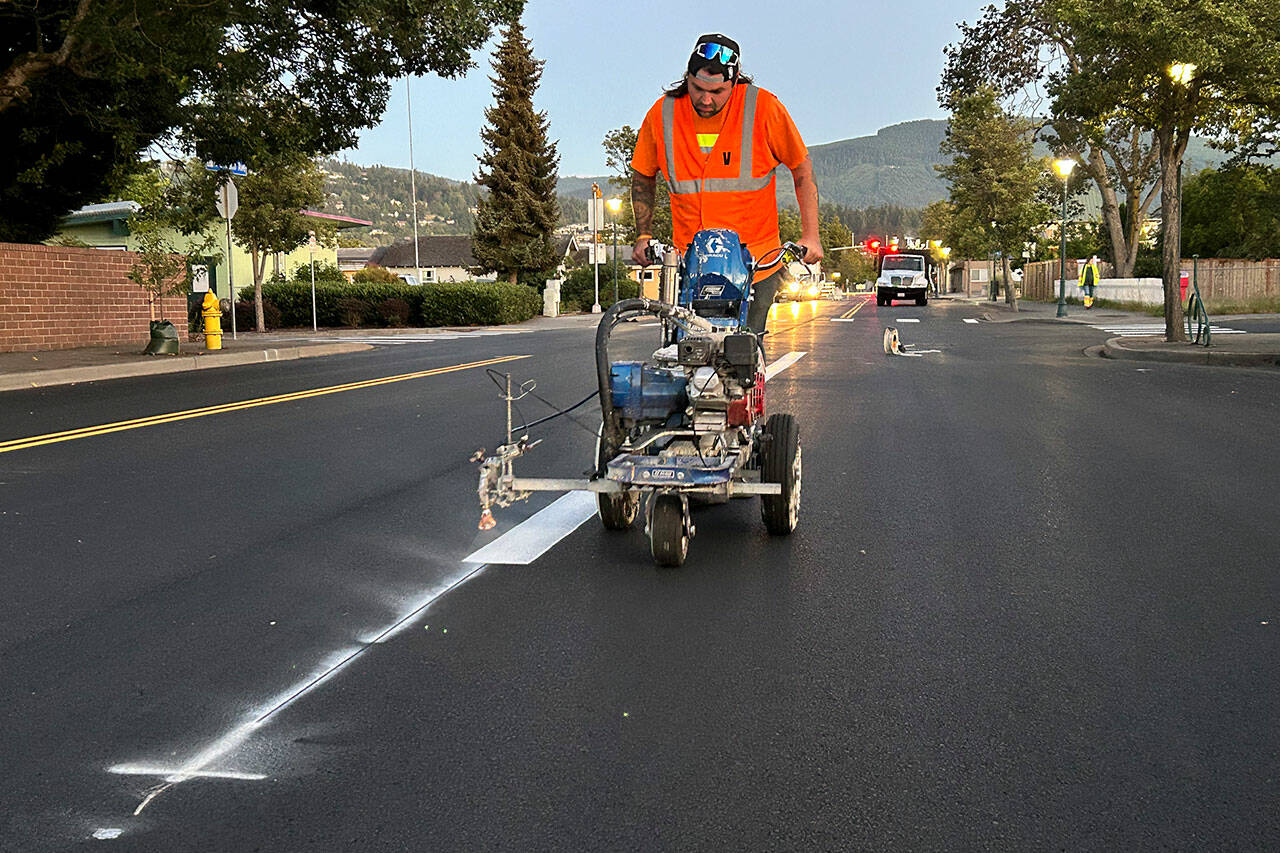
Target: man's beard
(710, 113)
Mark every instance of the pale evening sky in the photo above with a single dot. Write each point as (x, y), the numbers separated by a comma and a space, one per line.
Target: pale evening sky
(842, 70)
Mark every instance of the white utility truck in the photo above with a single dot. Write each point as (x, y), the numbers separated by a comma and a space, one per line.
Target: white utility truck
(902, 276)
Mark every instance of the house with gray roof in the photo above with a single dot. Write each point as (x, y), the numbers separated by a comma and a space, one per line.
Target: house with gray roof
(441, 258)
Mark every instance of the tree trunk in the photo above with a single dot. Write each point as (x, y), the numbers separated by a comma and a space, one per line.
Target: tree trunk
(514, 278)
(1171, 223)
(259, 268)
(1010, 292)
(1124, 251)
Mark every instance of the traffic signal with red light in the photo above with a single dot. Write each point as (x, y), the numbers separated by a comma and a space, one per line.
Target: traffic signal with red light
(873, 245)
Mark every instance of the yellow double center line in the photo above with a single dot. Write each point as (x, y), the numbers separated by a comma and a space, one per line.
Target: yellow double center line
(154, 420)
(855, 309)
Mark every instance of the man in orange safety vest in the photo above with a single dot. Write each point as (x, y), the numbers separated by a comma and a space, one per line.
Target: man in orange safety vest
(717, 139)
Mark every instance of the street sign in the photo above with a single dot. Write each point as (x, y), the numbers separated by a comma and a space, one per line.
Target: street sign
(199, 278)
(595, 214)
(228, 200)
(237, 169)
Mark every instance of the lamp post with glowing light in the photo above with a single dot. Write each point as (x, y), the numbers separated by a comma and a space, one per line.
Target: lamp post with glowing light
(1181, 73)
(1064, 167)
(615, 205)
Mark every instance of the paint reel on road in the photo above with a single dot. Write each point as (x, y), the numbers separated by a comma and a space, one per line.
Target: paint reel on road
(892, 343)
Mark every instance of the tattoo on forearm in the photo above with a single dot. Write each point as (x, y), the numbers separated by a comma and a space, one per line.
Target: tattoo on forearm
(643, 191)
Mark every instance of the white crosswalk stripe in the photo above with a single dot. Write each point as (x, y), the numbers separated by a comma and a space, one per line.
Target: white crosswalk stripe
(1133, 330)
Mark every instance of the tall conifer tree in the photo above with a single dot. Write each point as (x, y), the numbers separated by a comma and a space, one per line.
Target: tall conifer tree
(515, 218)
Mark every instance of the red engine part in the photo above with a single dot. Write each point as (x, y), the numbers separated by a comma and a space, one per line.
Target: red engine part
(750, 408)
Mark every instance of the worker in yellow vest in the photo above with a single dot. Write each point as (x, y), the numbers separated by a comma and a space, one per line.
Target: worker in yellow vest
(1089, 280)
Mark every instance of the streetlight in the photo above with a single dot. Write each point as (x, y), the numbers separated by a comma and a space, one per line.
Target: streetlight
(1064, 168)
(1182, 73)
(615, 205)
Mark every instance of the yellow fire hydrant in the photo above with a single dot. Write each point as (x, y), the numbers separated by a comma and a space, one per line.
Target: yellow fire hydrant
(212, 314)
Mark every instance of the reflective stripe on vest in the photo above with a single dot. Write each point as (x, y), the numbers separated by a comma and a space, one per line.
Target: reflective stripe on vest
(744, 182)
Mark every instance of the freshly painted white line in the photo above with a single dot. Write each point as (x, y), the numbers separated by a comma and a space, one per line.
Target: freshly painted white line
(198, 765)
(534, 536)
(171, 773)
(782, 364)
(844, 319)
(908, 319)
(971, 320)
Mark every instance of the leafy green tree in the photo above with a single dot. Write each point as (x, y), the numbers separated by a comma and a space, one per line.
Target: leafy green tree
(1120, 73)
(270, 220)
(1232, 213)
(85, 85)
(993, 178)
(788, 224)
(157, 228)
(516, 218)
(1028, 47)
(619, 145)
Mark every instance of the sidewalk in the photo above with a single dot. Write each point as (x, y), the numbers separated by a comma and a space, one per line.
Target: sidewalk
(1248, 350)
(20, 370)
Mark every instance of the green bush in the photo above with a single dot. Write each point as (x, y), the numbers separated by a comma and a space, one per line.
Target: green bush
(474, 303)
(324, 272)
(247, 317)
(578, 292)
(471, 303)
(375, 274)
(394, 312)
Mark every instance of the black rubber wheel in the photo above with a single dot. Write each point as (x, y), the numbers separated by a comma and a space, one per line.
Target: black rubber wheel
(780, 463)
(922, 300)
(668, 539)
(617, 512)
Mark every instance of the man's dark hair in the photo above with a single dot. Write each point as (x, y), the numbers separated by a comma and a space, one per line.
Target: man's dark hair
(680, 88)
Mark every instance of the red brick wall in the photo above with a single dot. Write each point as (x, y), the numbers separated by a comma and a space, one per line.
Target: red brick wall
(53, 297)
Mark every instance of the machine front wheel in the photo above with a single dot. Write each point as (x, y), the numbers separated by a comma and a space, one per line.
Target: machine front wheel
(668, 537)
(780, 463)
(617, 511)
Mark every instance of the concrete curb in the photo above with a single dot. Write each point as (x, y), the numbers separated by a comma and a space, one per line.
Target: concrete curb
(164, 364)
(1188, 353)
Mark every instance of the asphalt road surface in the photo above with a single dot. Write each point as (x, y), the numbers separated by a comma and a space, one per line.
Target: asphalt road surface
(1032, 602)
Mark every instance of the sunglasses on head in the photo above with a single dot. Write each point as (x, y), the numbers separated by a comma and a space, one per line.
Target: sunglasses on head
(718, 52)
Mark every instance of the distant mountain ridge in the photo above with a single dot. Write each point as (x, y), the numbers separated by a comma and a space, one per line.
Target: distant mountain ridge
(895, 166)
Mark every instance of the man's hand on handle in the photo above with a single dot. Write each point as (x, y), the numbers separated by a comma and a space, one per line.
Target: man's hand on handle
(813, 245)
(639, 250)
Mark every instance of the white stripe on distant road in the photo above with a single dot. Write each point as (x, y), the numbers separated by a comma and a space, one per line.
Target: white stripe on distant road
(1147, 329)
(536, 535)
(970, 320)
(782, 364)
(908, 319)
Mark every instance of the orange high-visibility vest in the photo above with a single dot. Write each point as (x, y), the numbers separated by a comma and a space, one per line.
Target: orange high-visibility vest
(720, 190)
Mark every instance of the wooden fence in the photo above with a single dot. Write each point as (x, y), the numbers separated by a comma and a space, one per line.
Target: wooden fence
(1219, 279)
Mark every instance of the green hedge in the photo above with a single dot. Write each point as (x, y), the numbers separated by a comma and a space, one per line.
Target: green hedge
(578, 292)
(471, 303)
